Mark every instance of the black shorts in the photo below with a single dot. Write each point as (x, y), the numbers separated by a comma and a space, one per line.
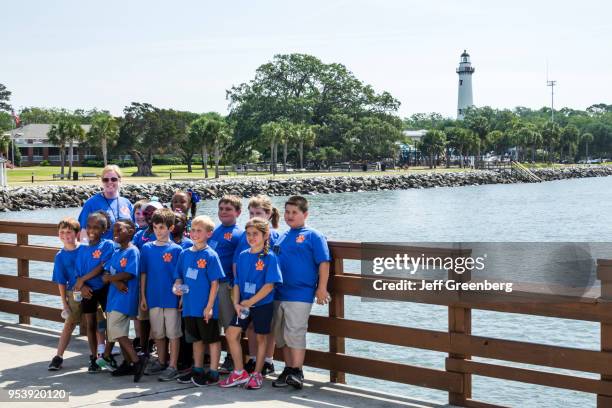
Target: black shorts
(196, 329)
(261, 316)
(98, 297)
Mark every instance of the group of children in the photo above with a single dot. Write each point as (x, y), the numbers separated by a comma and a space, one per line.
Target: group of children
(182, 279)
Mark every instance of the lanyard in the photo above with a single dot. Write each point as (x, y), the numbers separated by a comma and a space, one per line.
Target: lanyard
(110, 207)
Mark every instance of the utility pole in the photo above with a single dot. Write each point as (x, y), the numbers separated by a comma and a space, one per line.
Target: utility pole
(552, 99)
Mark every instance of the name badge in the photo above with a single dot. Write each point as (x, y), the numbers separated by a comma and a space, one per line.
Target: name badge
(192, 273)
(250, 287)
(213, 244)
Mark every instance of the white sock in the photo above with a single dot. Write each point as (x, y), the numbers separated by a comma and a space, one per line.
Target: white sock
(254, 358)
(269, 360)
(101, 348)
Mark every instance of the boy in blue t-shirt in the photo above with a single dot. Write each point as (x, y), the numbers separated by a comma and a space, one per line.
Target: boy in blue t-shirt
(200, 270)
(157, 267)
(257, 272)
(122, 302)
(304, 260)
(64, 274)
(89, 265)
(224, 240)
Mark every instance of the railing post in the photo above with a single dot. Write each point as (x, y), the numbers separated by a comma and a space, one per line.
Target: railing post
(460, 321)
(604, 273)
(336, 309)
(23, 271)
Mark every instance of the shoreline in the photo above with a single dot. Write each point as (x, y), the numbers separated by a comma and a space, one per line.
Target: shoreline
(50, 196)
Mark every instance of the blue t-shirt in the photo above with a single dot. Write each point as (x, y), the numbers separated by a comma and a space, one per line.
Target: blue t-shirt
(158, 262)
(253, 271)
(90, 256)
(124, 260)
(224, 241)
(64, 267)
(142, 237)
(185, 243)
(244, 244)
(300, 251)
(198, 269)
(116, 208)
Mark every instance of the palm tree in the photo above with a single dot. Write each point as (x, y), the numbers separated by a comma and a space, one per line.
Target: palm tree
(586, 138)
(104, 132)
(221, 139)
(76, 133)
(5, 141)
(57, 135)
(272, 133)
(433, 144)
(305, 136)
(198, 131)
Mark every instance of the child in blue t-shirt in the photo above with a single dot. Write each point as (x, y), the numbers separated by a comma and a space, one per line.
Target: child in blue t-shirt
(122, 303)
(200, 270)
(259, 206)
(64, 274)
(178, 233)
(145, 235)
(224, 240)
(304, 261)
(257, 272)
(89, 264)
(158, 263)
(185, 202)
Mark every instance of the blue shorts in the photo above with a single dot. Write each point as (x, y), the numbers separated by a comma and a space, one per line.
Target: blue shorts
(261, 316)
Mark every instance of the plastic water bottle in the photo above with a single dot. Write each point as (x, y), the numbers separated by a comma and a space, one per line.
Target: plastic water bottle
(244, 313)
(65, 314)
(77, 295)
(180, 288)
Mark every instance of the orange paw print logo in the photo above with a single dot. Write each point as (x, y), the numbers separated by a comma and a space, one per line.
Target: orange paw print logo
(300, 238)
(201, 263)
(96, 254)
(123, 262)
(259, 265)
(227, 236)
(167, 257)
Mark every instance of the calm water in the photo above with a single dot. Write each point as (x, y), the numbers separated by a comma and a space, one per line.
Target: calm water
(569, 210)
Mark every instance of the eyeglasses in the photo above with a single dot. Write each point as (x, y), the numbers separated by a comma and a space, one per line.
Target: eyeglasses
(107, 180)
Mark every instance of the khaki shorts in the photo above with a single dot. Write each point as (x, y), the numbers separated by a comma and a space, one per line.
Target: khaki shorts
(75, 308)
(290, 323)
(226, 306)
(165, 323)
(118, 325)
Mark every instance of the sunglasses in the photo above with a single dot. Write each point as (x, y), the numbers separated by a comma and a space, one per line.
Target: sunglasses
(107, 180)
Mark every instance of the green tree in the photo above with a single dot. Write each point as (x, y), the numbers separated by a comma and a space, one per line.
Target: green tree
(550, 134)
(57, 135)
(586, 138)
(479, 125)
(104, 132)
(433, 144)
(305, 136)
(63, 134)
(570, 138)
(272, 133)
(5, 97)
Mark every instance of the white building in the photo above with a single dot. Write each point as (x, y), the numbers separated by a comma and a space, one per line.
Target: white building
(465, 72)
(415, 135)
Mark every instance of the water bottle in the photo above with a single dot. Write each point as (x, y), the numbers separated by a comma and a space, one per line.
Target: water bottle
(244, 313)
(65, 314)
(77, 295)
(180, 288)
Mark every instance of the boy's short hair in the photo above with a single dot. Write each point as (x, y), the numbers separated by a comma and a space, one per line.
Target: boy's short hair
(129, 223)
(102, 217)
(233, 200)
(205, 221)
(69, 222)
(140, 204)
(299, 201)
(163, 216)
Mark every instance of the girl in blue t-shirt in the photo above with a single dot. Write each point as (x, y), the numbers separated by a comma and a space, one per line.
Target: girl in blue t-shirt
(185, 202)
(257, 272)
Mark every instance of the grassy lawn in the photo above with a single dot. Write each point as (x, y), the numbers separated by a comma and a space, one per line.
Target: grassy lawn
(44, 174)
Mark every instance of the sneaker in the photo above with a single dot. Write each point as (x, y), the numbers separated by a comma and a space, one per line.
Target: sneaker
(268, 368)
(168, 374)
(56, 363)
(107, 363)
(186, 378)
(124, 369)
(296, 378)
(227, 366)
(154, 367)
(212, 378)
(250, 366)
(199, 379)
(235, 379)
(93, 368)
(255, 381)
(139, 368)
(281, 381)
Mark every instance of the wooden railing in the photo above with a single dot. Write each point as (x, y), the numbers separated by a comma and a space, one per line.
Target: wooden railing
(457, 341)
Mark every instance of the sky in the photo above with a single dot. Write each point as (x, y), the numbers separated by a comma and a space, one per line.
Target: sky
(185, 54)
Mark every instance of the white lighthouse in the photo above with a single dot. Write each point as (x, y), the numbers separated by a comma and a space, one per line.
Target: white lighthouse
(465, 72)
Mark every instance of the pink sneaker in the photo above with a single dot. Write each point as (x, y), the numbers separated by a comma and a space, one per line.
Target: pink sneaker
(255, 381)
(235, 379)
